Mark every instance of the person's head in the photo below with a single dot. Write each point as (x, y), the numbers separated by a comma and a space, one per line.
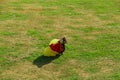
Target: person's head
(63, 40)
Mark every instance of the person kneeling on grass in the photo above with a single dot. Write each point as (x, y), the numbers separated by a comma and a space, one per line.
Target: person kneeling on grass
(56, 47)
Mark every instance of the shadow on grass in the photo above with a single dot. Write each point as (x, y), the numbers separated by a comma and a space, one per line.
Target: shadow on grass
(43, 60)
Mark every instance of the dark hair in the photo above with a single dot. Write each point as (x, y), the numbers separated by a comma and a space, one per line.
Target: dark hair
(63, 42)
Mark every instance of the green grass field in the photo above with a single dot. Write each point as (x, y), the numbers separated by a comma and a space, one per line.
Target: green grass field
(92, 28)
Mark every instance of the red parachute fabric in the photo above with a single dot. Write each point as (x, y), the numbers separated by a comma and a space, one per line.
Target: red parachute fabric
(57, 47)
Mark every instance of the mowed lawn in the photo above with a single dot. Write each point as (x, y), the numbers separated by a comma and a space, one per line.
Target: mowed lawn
(92, 28)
